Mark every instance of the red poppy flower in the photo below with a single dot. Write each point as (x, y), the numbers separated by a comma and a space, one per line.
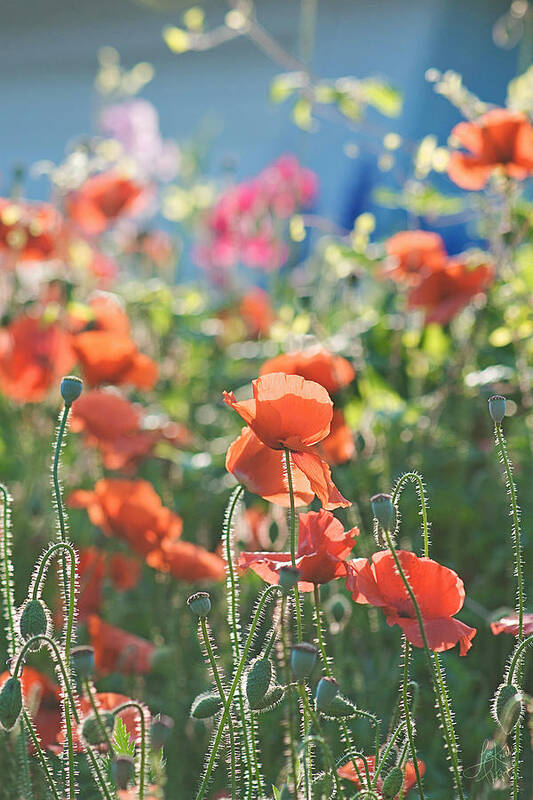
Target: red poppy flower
(316, 364)
(338, 447)
(94, 566)
(323, 547)
(289, 412)
(116, 650)
(106, 358)
(254, 531)
(446, 291)
(510, 625)
(262, 471)
(411, 253)
(439, 592)
(42, 699)
(256, 312)
(500, 139)
(349, 772)
(34, 355)
(186, 561)
(103, 199)
(131, 510)
(30, 231)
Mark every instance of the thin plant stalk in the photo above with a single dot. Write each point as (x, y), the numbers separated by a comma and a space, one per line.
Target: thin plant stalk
(407, 715)
(144, 740)
(325, 746)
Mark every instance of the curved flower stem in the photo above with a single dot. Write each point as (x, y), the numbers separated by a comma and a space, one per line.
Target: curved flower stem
(41, 637)
(407, 714)
(144, 743)
(517, 655)
(386, 750)
(232, 588)
(57, 491)
(520, 591)
(89, 689)
(44, 763)
(414, 477)
(434, 667)
(40, 576)
(6, 573)
(233, 688)
(325, 746)
(216, 675)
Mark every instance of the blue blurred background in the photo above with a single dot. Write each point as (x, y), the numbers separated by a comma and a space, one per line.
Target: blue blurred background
(48, 61)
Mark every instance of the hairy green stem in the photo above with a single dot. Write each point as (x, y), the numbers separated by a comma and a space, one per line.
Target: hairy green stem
(290, 698)
(90, 691)
(144, 743)
(40, 755)
(414, 477)
(408, 721)
(325, 746)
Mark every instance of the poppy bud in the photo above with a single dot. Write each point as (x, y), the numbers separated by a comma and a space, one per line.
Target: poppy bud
(497, 405)
(271, 699)
(383, 510)
(71, 387)
(160, 731)
(34, 621)
(10, 703)
(123, 771)
(91, 727)
(82, 660)
(508, 706)
(303, 660)
(258, 681)
(206, 705)
(200, 604)
(392, 784)
(340, 707)
(288, 578)
(326, 691)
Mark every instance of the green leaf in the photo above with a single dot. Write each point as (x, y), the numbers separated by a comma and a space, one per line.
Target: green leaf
(122, 741)
(382, 97)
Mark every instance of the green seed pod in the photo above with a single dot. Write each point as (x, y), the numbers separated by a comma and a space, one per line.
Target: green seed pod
(392, 784)
(123, 771)
(326, 692)
(91, 731)
(303, 660)
(508, 706)
(383, 510)
(82, 660)
(206, 705)
(34, 620)
(497, 408)
(71, 388)
(288, 578)
(340, 707)
(258, 681)
(271, 699)
(160, 731)
(200, 604)
(10, 703)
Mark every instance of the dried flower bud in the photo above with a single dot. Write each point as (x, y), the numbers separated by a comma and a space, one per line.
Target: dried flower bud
(82, 660)
(392, 784)
(303, 660)
(206, 705)
(71, 388)
(288, 577)
(326, 691)
(497, 406)
(123, 771)
(10, 703)
(383, 510)
(258, 681)
(34, 621)
(160, 731)
(200, 604)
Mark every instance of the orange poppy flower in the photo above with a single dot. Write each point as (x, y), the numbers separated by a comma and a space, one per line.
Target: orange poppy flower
(42, 699)
(316, 364)
(254, 531)
(338, 447)
(103, 199)
(439, 592)
(349, 772)
(116, 650)
(509, 625)
(131, 510)
(411, 253)
(447, 291)
(94, 566)
(186, 561)
(288, 411)
(34, 355)
(256, 311)
(323, 547)
(104, 416)
(499, 140)
(262, 471)
(29, 231)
